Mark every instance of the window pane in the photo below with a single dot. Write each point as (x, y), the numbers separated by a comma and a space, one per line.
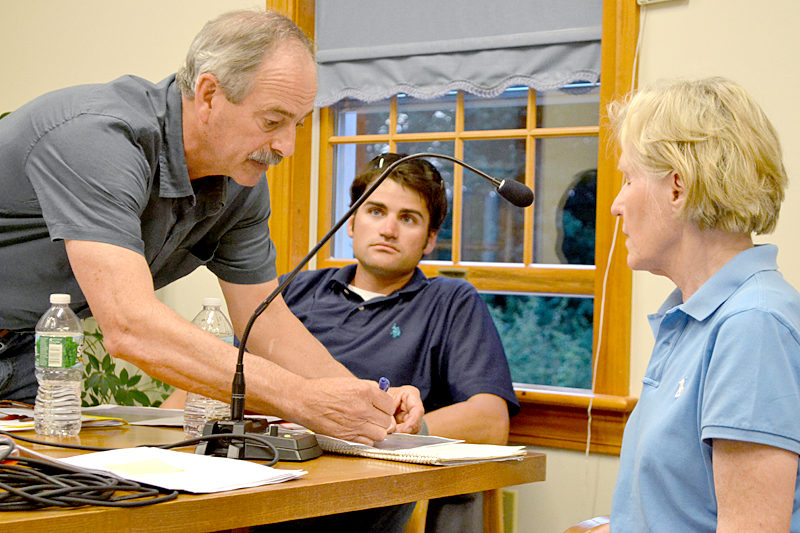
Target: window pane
(492, 227)
(547, 339)
(509, 111)
(418, 116)
(564, 215)
(575, 105)
(444, 240)
(347, 160)
(353, 117)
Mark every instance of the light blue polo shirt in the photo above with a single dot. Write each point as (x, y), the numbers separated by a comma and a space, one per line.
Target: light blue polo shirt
(726, 364)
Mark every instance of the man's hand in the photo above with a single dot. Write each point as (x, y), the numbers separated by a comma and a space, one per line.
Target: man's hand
(409, 410)
(347, 408)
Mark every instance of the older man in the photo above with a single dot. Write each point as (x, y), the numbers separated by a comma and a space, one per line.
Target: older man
(111, 191)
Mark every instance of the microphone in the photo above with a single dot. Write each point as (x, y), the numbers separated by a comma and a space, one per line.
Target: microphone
(515, 192)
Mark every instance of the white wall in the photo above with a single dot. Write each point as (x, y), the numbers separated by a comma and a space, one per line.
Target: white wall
(755, 44)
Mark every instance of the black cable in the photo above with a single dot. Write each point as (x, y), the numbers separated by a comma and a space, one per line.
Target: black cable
(194, 440)
(31, 483)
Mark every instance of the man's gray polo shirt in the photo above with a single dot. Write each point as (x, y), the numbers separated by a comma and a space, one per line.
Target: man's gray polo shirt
(106, 163)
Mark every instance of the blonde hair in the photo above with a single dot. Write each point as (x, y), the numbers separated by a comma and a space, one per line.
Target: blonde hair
(232, 46)
(718, 140)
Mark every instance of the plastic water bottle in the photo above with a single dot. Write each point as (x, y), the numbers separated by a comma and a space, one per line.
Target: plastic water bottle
(199, 409)
(59, 370)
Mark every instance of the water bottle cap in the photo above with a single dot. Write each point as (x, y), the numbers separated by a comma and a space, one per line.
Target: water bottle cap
(60, 299)
(215, 302)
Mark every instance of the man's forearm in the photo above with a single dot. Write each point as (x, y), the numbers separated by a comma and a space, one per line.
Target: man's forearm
(169, 348)
(137, 327)
(481, 419)
(277, 335)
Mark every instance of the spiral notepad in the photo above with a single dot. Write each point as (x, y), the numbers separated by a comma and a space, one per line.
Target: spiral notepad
(422, 449)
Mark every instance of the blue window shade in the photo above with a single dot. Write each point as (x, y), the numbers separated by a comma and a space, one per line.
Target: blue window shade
(373, 49)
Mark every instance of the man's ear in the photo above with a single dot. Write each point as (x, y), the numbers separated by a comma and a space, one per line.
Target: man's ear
(431, 244)
(206, 88)
(350, 223)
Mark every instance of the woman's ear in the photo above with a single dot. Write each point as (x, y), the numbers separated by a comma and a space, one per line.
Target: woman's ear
(677, 189)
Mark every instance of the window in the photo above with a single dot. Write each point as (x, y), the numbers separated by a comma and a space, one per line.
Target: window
(535, 261)
(483, 232)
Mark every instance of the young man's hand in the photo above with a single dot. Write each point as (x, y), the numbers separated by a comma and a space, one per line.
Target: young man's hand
(409, 411)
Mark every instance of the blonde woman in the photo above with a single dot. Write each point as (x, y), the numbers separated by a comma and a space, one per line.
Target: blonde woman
(713, 443)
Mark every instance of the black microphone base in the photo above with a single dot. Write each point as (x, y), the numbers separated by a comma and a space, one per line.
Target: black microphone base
(291, 445)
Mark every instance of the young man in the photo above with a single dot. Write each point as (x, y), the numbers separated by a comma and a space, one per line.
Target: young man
(111, 191)
(383, 317)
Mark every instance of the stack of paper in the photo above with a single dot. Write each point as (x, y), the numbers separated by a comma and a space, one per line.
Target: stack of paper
(138, 416)
(182, 471)
(422, 449)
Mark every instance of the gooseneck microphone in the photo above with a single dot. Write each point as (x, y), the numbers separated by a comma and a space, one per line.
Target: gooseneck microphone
(515, 192)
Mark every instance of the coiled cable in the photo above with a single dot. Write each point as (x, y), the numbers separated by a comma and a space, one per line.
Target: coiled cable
(35, 482)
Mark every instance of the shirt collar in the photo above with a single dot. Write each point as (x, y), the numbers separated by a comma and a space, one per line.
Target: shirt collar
(174, 175)
(345, 275)
(724, 282)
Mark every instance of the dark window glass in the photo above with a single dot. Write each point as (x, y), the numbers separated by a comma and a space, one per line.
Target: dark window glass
(547, 339)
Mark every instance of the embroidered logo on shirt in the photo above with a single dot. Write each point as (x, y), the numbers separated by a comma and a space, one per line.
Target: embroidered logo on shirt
(681, 383)
(396, 331)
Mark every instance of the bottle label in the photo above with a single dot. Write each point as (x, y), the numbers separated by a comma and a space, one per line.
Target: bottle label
(58, 352)
(229, 340)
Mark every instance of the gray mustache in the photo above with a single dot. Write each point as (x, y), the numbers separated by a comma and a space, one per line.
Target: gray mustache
(266, 157)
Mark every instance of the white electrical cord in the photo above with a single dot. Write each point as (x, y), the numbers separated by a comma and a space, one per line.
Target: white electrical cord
(634, 77)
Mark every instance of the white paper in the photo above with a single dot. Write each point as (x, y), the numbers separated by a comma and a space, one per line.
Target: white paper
(423, 449)
(182, 471)
(139, 416)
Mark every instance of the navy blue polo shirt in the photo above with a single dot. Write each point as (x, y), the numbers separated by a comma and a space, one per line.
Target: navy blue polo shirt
(435, 334)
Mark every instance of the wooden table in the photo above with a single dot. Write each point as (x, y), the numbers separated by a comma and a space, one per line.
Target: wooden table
(333, 484)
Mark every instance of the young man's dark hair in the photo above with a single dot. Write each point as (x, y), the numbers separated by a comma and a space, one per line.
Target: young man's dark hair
(417, 174)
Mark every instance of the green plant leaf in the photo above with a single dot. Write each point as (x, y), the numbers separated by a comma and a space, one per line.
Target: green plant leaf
(92, 381)
(140, 397)
(134, 380)
(121, 396)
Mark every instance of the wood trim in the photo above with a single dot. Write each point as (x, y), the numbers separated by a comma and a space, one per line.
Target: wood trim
(457, 208)
(530, 166)
(325, 190)
(620, 27)
(558, 418)
(572, 131)
(290, 182)
(536, 279)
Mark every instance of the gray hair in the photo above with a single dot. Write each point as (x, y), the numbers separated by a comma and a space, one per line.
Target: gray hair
(232, 46)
